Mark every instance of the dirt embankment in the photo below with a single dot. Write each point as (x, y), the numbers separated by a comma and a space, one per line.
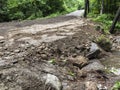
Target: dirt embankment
(33, 52)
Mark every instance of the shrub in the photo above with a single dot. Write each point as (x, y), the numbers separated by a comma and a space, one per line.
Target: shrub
(31, 9)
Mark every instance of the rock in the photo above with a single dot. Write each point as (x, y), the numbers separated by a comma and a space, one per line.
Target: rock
(71, 78)
(115, 71)
(1, 53)
(44, 56)
(79, 61)
(96, 65)
(90, 85)
(1, 37)
(101, 87)
(2, 41)
(17, 51)
(52, 83)
(79, 13)
(94, 51)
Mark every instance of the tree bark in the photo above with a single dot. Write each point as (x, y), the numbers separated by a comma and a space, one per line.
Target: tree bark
(112, 31)
(85, 13)
(102, 7)
(86, 8)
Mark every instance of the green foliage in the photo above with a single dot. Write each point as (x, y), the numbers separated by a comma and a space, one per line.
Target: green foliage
(71, 73)
(52, 61)
(104, 42)
(105, 20)
(116, 86)
(110, 6)
(74, 5)
(31, 9)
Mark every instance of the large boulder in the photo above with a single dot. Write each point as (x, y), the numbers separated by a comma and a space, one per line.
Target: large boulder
(94, 51)
(93, 66)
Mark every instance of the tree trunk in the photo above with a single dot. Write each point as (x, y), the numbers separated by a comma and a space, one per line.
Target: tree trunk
(85, 13)
(86, 8)
(102, 7)
(112, 31)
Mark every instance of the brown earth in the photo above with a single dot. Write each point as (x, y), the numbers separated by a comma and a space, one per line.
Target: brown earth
(30, 50)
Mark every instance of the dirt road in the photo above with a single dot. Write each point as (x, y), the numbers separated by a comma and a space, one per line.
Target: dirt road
(33, 52)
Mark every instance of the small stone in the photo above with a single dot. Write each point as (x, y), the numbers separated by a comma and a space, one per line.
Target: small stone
(52, 83)
(5, 48)
(44, 56)
(12, 53)
(8, 78)
(79, 61)
(90, 85)
(17, 51)
(2, 41)
(70, 77)
(1, 53)
(7, 53)
(101, 87)
(1, 37)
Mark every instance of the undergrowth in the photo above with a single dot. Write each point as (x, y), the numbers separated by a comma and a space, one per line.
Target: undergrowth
(105, 20)
(116, 86)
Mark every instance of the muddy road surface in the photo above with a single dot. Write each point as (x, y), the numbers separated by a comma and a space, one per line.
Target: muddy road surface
(51, 54)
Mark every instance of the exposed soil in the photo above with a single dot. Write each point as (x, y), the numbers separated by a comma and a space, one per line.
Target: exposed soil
(31, 50)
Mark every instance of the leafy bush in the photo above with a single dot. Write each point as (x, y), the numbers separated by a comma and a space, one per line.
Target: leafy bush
(31, 9)
(116, 86)
(105, 20)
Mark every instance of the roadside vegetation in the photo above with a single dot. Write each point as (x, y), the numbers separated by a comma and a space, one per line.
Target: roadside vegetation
(32, 9)
(103, 12)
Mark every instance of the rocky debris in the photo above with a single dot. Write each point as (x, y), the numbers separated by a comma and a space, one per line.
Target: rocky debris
(96, 65)
(94, 51)
(79, 61)
(27, 53)
(52, 83)
(116, 43)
